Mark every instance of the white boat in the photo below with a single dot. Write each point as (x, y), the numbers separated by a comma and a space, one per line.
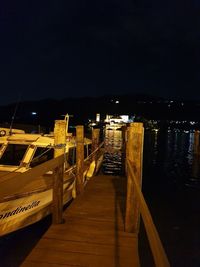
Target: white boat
(116, 122)
(25, 198)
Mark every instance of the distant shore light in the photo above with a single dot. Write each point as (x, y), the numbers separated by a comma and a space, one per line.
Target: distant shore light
(33, 113)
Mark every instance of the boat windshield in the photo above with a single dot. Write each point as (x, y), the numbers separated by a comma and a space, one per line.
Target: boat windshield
(41, 155)
(13, 154)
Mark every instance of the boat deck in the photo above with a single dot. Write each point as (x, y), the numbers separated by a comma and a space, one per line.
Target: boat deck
(93, 230)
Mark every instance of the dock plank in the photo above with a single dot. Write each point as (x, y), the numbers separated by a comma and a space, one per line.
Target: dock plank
(93, 232)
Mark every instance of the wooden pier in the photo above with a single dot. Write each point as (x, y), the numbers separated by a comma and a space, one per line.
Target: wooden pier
(100, 227)
(93, 230)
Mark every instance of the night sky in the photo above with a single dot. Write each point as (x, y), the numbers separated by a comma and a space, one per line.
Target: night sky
(58, 49)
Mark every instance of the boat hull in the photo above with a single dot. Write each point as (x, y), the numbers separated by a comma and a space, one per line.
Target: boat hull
(21, 212)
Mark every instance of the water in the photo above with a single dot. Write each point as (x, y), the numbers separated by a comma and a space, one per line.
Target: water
(168, 156)
(171, 155)
(15, 246)
(112, 163)
(171, 186)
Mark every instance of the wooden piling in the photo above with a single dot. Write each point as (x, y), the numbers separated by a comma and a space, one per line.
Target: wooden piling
(134, 153)
(79, 158)
(59, 137)
(95, 138)
(196, 142)
(196, 151)
(95, 141)
(124, 129)
(59, 149)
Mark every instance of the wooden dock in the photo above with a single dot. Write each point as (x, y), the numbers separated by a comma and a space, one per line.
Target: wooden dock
(93, 230)
(101, 226)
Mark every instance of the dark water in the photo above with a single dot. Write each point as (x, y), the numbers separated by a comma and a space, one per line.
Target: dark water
(16, 246)
(171, 155)
(171, 186)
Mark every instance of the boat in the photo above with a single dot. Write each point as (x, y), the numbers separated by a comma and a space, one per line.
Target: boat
(116, 122)
(8, 131)
(26, 199)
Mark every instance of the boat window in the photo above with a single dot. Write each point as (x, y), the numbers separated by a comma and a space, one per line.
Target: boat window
(13, 154)
(41, 155)
(87, 150)
(72, 153)
(71, 156)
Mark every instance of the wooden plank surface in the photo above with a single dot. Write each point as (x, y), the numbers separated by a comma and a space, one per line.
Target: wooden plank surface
(93, 233)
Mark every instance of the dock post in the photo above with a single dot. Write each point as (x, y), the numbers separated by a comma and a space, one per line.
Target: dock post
(59, 143)
(95, 141)
(196, 142)
(95, 138)
(79, 158)
(134, 153)
(196, 151)
(124, 128)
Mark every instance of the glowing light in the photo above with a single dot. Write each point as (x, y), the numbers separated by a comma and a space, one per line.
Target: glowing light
(97, 117)
(33, 113)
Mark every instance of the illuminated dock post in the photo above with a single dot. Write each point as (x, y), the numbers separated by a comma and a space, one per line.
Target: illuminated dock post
(59, 143)
(79, 158)
(134, 152)
(196, 142)
(95, 141)
(124, 130)
(95, 138)
(98, 117)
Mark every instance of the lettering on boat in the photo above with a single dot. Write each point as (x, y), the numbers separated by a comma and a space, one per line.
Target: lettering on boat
(19, 209)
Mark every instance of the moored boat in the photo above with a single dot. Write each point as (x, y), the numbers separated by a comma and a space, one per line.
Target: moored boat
(26, 197)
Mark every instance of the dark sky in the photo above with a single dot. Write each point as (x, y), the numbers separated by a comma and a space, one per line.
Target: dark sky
(87, 48)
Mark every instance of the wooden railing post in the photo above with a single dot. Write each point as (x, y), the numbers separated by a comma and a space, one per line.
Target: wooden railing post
(135, 135)
(79, 158)
(95, 140)
(57, 207)
(59, 137)
(196, 142)
(59, 143)
(159, 255)
(124, 128)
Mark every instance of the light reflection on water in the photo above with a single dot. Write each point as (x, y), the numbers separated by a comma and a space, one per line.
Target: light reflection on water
(171, 156)
(112, 163)
(168, 156)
